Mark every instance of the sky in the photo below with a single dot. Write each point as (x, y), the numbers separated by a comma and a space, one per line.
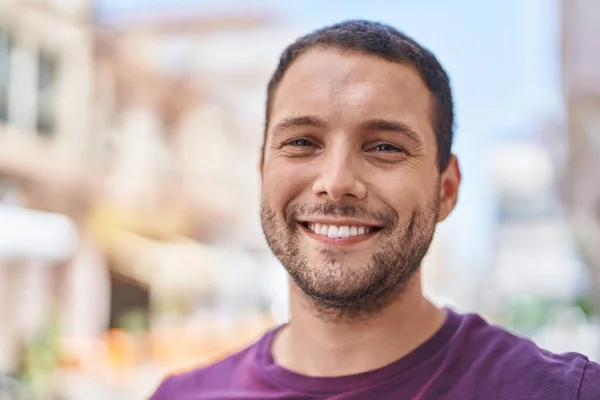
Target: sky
(503, 58)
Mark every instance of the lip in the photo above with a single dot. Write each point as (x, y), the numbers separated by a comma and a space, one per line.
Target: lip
(338, 241)
(340, 222)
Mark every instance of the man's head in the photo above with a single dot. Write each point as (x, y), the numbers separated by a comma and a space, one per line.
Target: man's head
(357, 167)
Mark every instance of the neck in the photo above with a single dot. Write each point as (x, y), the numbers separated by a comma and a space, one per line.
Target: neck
(315, 346)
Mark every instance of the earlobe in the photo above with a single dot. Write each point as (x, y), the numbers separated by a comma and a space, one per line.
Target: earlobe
(449, 186)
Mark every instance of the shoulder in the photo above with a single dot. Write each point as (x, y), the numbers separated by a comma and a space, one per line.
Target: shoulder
(192, 381)
(516, 360)
(214, 376)
(589, 388)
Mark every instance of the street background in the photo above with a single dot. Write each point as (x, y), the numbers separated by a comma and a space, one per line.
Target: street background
(130, 131)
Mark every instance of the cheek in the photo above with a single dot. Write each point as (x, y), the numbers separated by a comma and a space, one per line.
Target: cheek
(405, 194)
(282, 183)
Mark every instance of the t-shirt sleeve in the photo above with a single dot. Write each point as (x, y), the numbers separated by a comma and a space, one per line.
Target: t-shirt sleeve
(589, 389)
(164, 390)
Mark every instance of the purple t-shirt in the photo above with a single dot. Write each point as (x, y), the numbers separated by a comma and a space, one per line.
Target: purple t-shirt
(466, 359)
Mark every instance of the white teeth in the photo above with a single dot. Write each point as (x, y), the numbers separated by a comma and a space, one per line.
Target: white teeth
(334, 231)
(344, 231)
(324, 230)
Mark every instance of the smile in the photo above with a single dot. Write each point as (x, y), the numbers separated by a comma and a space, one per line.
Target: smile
(339, 234)
(334, 231)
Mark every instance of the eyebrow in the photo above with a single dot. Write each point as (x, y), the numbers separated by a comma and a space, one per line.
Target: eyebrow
(384, 125)
(298, 121)
(377, 124)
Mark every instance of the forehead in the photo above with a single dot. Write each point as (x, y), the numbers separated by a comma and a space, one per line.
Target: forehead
(348, 87)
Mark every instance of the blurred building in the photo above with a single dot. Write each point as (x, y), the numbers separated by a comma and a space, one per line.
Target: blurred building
(177, 93)
(151, 116)
(46, 89)
(171, 113)
(46, 74)
(581, 57)
(537, 268)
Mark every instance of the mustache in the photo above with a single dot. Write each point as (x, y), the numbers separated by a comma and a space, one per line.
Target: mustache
(387, 218)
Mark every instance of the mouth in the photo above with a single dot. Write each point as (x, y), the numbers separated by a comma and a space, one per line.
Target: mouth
(339, 234)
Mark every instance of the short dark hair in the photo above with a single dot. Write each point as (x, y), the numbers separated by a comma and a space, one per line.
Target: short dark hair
(386, 42)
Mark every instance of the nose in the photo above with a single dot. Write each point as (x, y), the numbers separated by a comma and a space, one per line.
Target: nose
(339, 178)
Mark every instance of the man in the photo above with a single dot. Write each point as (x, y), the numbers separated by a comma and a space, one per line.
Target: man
(356, 172)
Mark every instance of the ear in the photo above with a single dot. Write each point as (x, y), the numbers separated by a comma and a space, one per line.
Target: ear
(449, 185)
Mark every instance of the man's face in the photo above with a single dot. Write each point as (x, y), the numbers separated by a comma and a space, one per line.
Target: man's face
(351, 191)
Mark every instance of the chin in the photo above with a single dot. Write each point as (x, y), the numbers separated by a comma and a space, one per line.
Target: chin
(335, 280)
(326, 258)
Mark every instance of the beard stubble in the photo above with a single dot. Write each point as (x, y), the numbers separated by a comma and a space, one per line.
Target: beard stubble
(342, 291)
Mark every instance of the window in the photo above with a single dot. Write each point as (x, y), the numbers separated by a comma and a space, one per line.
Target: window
(47, 72)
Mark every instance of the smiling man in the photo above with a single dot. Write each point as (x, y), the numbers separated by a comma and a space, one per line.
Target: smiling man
(357, 171)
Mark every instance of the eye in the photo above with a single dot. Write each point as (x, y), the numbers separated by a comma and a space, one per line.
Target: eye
(300, 147)
(302, 142)
(386, 148)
